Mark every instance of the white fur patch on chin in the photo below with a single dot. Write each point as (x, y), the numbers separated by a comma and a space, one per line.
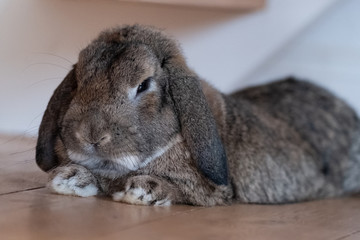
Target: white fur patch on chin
(77, 157)
(131, 162)
(70, 187)
(138, 196)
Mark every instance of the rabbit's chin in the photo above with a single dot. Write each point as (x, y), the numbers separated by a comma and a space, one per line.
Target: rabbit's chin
(120, 165)
(102, 166)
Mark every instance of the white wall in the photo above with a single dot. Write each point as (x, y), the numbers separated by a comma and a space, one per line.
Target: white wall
(327, 53)
(40, 39)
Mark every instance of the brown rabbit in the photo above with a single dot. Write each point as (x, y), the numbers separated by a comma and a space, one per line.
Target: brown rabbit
(132, 121)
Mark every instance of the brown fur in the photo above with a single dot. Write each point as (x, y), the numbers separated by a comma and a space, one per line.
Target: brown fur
(181, 141)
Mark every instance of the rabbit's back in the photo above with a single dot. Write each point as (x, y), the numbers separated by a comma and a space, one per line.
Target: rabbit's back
(310, 136)
(323, 120)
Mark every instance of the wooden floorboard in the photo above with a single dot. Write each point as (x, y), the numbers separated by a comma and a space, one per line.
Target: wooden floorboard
(18, 170)
(29, 211)
(39, 215)
(326, 219)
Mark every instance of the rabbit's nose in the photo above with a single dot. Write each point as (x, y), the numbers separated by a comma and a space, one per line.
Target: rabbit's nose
(93, 130)
(94, 137)
(101, 140)
(98, 135)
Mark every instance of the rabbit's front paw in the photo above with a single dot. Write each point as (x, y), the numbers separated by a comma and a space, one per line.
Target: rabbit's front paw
(73, 180)
(144, 190)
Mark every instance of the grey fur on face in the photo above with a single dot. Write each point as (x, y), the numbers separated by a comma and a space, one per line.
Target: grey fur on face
(132, 121)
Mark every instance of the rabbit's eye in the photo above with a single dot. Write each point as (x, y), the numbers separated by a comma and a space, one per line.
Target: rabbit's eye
(144, 85)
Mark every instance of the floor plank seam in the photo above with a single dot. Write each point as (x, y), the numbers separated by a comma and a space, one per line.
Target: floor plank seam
(349, 235)
(19, 191)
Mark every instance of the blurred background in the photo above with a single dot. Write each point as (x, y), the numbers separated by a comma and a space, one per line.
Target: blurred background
(232, 49)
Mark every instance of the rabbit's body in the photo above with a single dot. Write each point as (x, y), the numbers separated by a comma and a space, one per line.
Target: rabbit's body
(133, 122)
(290, 141)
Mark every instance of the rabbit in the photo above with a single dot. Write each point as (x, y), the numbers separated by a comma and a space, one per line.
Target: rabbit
(133, 122)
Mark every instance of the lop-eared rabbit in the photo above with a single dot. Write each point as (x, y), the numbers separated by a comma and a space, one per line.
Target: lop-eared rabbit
(133, 122)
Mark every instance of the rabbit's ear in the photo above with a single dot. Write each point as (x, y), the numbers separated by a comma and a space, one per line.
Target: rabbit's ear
(198, 125)
(49, 130)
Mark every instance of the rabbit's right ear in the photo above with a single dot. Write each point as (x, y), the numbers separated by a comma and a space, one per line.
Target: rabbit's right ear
(49, 130)
(198, 125)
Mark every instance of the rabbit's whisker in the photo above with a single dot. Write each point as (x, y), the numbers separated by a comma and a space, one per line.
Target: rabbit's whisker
(54, 55)
(20, 152)
(45, 63)
(44, 80)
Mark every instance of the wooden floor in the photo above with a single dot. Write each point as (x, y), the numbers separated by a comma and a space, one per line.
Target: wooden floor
(29, 211)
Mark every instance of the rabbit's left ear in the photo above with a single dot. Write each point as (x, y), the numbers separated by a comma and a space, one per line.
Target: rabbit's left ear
(198, 125)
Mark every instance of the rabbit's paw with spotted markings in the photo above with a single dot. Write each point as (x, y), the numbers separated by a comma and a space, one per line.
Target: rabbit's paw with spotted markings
(145, 190)
(73, 180)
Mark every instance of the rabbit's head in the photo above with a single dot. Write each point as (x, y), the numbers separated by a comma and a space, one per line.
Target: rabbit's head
(126, 101)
